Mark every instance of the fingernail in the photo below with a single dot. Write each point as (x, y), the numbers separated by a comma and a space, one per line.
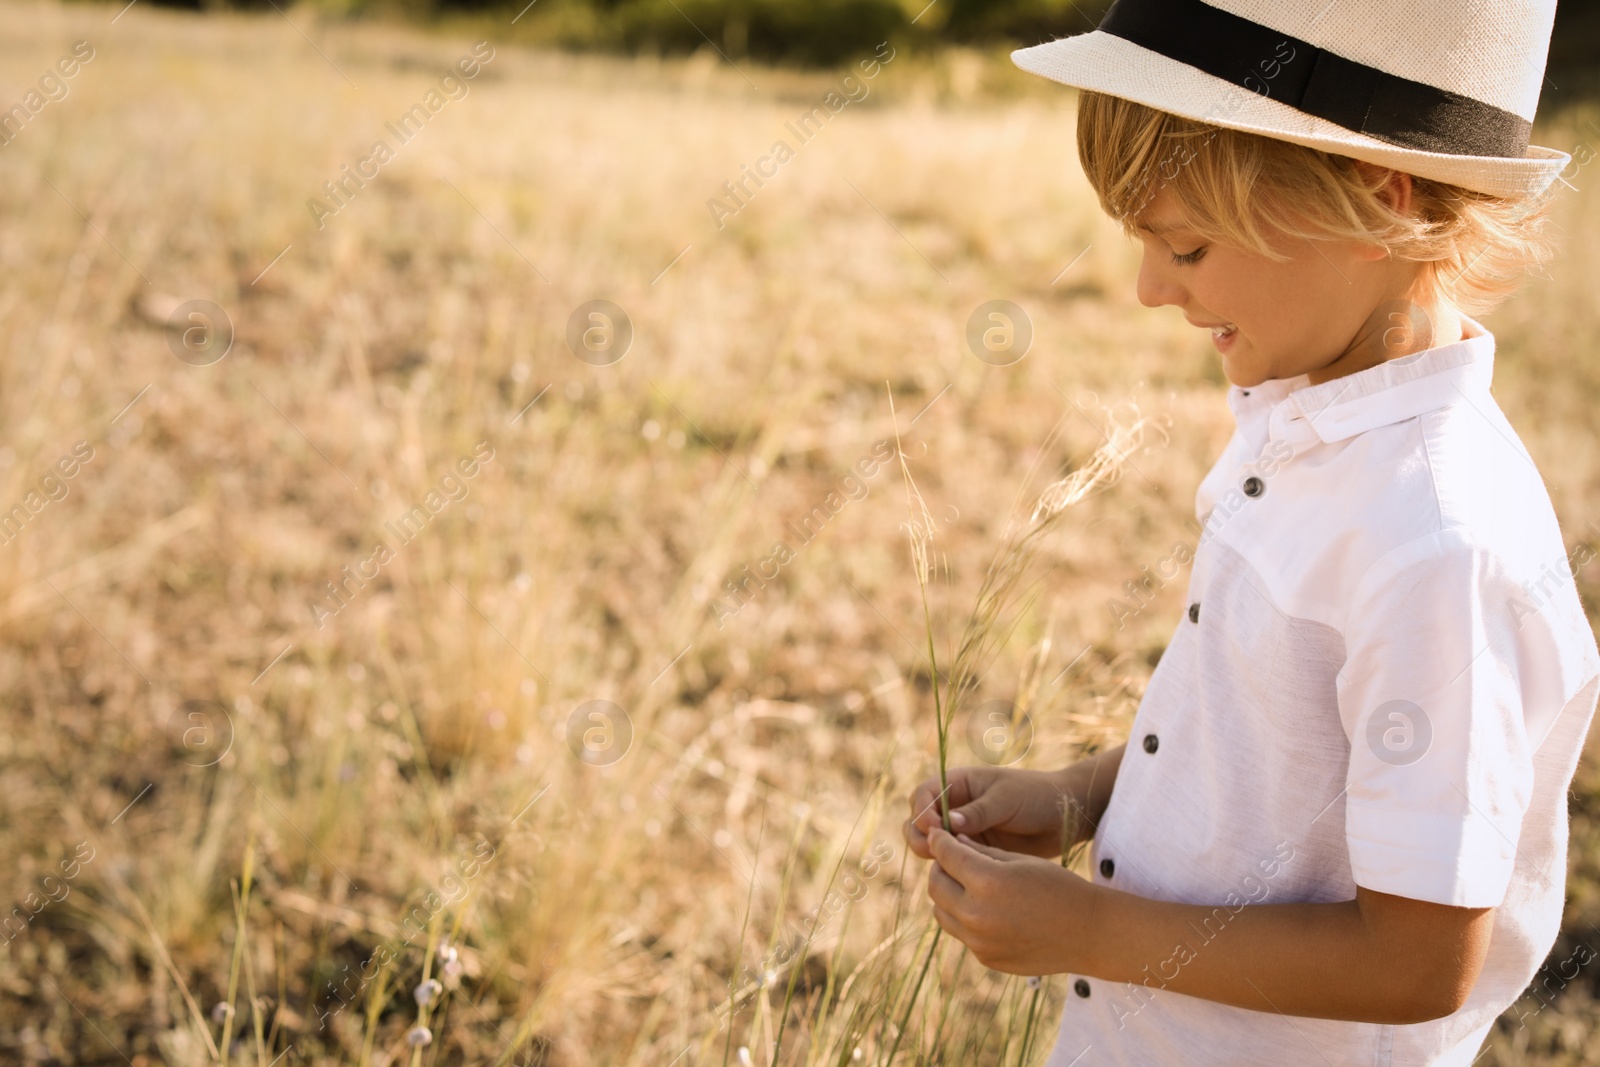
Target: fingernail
(957, 819)
(964, 838)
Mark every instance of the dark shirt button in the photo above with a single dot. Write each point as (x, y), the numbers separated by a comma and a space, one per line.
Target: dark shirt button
(1107, 867)
(1081, 988)
(1244, 392)
(1150, 742)
(1254, 486)
(1194, 611)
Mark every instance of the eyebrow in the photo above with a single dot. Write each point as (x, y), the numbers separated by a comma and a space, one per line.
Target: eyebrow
(1159, 228)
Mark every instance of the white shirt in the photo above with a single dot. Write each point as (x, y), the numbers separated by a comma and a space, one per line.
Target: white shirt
(1384, 678)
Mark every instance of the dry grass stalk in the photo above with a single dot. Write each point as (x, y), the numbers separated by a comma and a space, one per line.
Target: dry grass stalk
(985, 633)
(1014, 561)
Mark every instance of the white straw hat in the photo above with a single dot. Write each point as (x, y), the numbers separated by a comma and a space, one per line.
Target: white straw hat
(1442, 89)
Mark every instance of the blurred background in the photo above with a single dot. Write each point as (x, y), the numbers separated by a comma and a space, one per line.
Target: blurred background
(455, 594)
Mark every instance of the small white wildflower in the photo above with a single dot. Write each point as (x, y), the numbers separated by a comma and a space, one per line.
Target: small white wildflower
(452, 973)
(427, 991)
(858, 1055)
(419, 1037)
(769, 977)
(744, 1056)
(220, 1011)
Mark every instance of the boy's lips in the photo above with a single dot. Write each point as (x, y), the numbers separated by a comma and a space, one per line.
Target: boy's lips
(1221, 332)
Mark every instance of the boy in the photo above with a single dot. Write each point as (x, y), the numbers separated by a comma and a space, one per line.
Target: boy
(1337, 834)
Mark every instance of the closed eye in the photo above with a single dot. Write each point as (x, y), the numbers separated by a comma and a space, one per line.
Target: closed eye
(1186, 258)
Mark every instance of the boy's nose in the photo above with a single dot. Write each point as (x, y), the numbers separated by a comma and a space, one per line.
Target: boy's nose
(1155, 288)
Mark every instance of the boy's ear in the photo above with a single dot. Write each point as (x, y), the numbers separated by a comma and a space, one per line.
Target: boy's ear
(1395, 190)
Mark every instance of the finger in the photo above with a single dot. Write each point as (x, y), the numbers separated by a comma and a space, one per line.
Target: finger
(943, 890)
(979, 810)
(962, 862)
(928, 790)
(916, 839)
(938, 799)
(949, 924)
(930, 812)
(975, 814)
(924, 797)
(998, 854)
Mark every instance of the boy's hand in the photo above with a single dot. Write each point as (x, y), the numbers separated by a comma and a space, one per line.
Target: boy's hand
(1018, 914)
(1010, 808)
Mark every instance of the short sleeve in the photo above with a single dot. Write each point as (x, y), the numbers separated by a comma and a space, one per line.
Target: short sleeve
(1440, 699)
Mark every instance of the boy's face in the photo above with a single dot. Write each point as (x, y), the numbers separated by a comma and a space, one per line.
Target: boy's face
(1268, 318)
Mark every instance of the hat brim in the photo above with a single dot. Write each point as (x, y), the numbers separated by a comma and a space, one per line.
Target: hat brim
(1106, 63)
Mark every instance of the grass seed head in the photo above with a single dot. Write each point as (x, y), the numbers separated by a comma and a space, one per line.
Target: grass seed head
(1104, 468)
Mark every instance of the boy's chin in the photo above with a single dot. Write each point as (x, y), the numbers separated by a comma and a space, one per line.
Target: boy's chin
(1246, 375)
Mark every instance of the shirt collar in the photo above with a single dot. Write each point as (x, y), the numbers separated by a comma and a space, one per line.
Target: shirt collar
(1390, 392)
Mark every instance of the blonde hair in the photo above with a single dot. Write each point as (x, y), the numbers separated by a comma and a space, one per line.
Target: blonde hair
(1250, 191)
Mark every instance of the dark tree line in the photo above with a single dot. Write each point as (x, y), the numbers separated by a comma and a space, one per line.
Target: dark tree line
(827, 32)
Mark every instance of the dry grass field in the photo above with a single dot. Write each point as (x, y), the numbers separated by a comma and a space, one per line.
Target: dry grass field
(296, 663)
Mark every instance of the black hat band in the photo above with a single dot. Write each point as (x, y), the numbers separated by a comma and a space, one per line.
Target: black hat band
(1359, 98)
